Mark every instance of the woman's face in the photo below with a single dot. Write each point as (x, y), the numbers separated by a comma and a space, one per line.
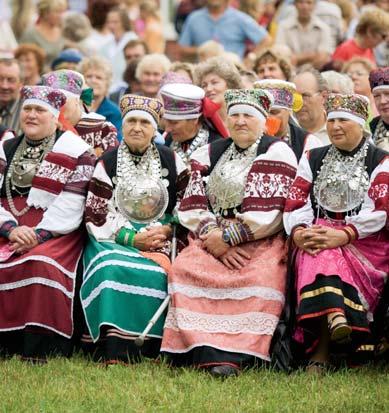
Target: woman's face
(360, 77)
(97, 80)
(214, 87)
(344, 133)
(29, 65)
(37, 122)
(244, 129)
(138, 133)
(114, 23)
(55, 16)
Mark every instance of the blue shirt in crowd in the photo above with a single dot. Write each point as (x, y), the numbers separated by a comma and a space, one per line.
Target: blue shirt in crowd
(232, 29)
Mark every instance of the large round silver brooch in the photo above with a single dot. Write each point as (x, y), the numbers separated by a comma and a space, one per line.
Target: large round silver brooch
(143, 201)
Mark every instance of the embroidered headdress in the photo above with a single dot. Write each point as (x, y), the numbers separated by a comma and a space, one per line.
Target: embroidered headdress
(44, 96)
(353, 107)
(284, 93)
(142, 106)
(69, 82)
(182, 101)
(379, 78)
(255, 102)
(174, 77)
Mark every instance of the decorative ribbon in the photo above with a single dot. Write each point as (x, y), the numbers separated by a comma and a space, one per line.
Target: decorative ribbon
(210, 111)
(87, 96)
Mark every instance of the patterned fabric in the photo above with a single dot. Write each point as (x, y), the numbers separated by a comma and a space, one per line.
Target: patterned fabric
(6, 228)
(182, 101)
(134, 102)
(173, 77)
(355, 105)
(284, 93)
(43, 95)
(379, 78)
(230, 310)
(67, 80)
(257, 98)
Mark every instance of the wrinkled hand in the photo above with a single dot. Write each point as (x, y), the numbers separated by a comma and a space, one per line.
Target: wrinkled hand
(214, 244)
(22, 239)
(149, 240)
(161, 229)
(318, 238)
(235, 258)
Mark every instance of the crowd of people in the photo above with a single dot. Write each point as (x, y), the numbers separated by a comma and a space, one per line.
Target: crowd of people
(245, 185)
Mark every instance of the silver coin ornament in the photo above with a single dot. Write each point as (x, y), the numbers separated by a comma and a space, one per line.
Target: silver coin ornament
(142, 201)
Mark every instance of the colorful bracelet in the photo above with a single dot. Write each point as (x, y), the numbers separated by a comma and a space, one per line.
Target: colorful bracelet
(125, 237)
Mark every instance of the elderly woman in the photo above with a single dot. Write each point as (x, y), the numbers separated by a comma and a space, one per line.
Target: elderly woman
(47, 31)
(97, 72)
(227, 286)
(125, 261)
(150, 72)
(43, 188)
(215, 76)
(31, 59)
(94, 129)
(336, 214)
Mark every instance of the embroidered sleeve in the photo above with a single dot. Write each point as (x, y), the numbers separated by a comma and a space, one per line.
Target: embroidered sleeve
(375, 208)
(5, 216)
(298, 208)
(266, 190)
(109, 139)
(43, 235)
(6, 228)
(182, 178)
(78, 181)
(193, 212)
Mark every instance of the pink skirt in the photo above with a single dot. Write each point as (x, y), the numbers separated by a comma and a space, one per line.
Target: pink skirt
(230, 310)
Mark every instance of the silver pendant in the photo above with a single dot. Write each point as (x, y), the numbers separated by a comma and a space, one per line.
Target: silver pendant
(164, 172)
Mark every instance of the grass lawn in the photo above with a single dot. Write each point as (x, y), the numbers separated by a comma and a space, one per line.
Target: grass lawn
(77, 385)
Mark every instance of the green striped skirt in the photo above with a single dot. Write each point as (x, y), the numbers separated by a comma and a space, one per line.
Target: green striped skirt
(121, 288)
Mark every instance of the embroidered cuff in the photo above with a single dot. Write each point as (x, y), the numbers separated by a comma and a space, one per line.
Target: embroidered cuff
(207, 227)
(42, 235)
(7, 227)
(238, 233)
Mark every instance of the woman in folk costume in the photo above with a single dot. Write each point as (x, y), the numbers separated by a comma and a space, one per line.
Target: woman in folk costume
(126, 259)
(44, 178)
(336, 214)
(227, 286)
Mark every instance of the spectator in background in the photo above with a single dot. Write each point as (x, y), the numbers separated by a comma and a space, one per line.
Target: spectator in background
(153, 32)
(10, 84)
(134, 49)
(228, 26)
(358, 69)
(76, 30)
(209, 49)
(372, 29)
(248, 78)
(149, 73)
(23, 15)
(120, 26)
(215, 76)
(270, 65)
(97, 72)
(313, 88)
(338, 82)
(308, 37)
(31, 59)
(97, 13)
(47, 31)
(67, 59)
(183, 68)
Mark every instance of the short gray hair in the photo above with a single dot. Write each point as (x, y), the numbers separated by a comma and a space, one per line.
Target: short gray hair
(338, 81)
(151, 60)
(96, 62)
(321, 82)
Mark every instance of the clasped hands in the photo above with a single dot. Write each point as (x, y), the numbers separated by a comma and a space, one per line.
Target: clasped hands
(22, 238)
(233, 258)
(318, 238)
(152, 238)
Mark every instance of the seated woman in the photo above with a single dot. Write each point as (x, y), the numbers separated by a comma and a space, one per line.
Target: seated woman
(44, 178)
(124, 262)
(336, 214)
(227, 286)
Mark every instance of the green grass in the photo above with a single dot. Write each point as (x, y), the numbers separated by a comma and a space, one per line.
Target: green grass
(77, 385)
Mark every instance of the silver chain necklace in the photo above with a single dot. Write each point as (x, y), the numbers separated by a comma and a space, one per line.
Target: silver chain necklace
(342, 180)
(381, 136)
(201, 139)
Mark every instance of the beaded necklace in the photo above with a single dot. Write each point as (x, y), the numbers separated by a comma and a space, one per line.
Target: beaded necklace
(381, 135)
(200, 140)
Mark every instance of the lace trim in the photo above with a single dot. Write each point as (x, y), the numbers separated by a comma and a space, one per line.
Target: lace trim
(36, 280)
(245, 323)
(227, 293)
(23, 326)
(47, 260)
(123, 288)
(119, 263)
(104, 253)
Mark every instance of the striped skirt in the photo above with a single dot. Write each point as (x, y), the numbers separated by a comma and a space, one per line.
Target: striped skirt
(121, 290)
